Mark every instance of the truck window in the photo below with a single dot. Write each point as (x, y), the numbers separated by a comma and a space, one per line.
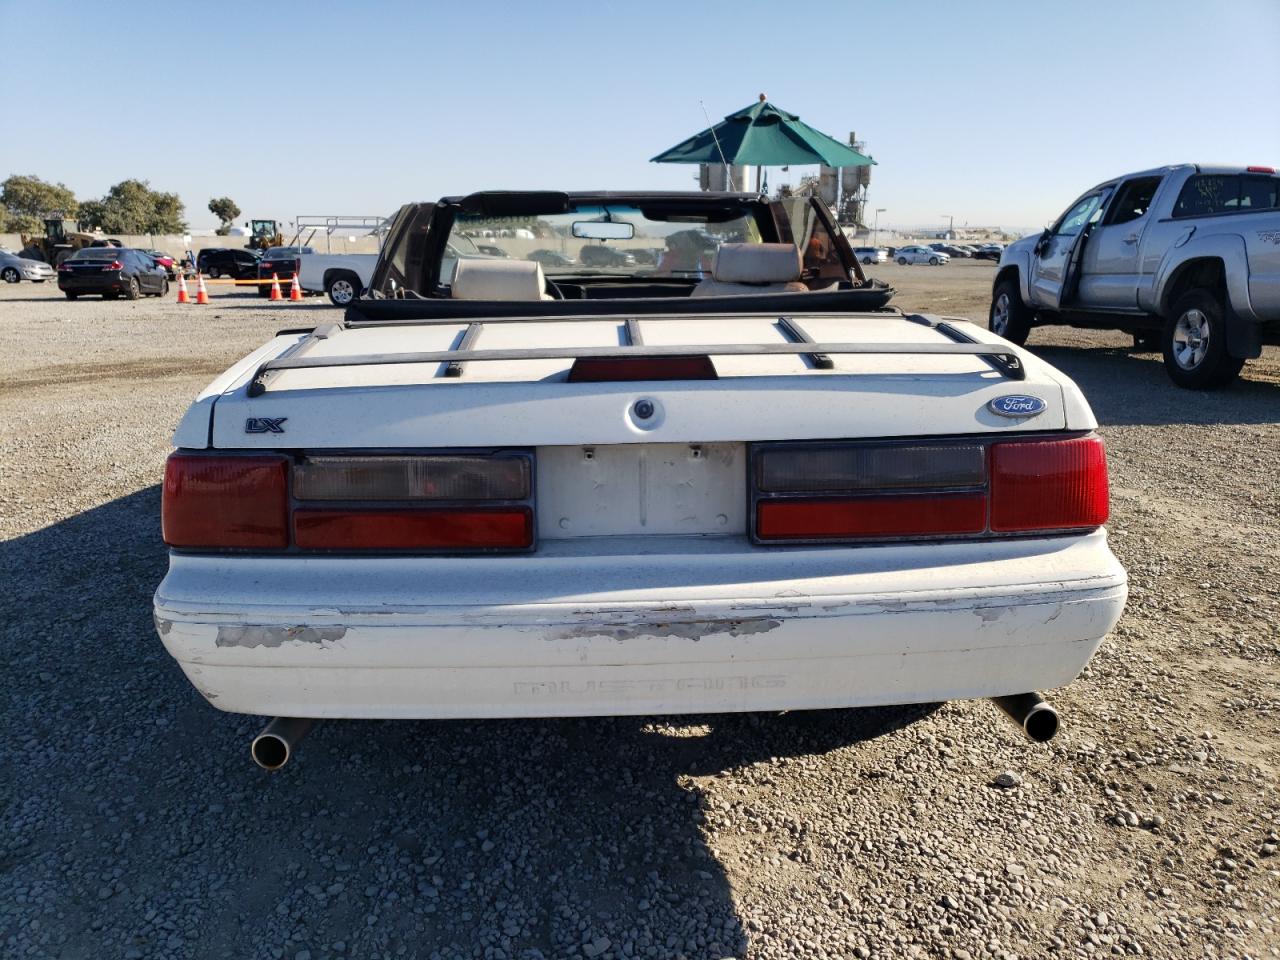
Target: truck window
(1259, 193)
(1207, 194)
(1086, 211)
(1133, 200)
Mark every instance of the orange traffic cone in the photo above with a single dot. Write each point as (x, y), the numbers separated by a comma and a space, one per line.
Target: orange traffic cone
(202, 292)
(295, 289)
(183, 296)
(275, 287)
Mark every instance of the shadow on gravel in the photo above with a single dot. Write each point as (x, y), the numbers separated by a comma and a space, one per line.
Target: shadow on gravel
(1132, 389)
(134, 823)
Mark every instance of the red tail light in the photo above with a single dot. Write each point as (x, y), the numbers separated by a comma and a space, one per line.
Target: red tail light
(949, 488)
(615, 369)
(467, 529)
(64, 268)
(265, 266)
(1048, 485)
(225, 501)
(910, 516)
(1261, 169)
(114, 265)
(442, 502)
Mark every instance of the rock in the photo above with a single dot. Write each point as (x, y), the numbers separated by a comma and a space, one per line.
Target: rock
(1006, 780)
(597, 946)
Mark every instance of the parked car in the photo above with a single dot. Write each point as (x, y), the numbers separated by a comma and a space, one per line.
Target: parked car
(598, 255)
(14, 268)
(1186, 258)
(169, 263)
(236, 264)
(339, 275)
(870, 255)
(489, 250)
(281, 262)
(552, 258)
(989, 251)
(951, 249)
(916, 254)
(111, 272)
(717, 524)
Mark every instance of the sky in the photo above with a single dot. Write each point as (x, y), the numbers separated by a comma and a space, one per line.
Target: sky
(995, 113)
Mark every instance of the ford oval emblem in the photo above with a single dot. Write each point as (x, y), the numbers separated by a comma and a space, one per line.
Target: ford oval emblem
(1016, 405)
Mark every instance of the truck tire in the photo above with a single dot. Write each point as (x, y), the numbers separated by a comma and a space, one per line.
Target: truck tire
(1195, 343)
(343, 288)
(1009, 317)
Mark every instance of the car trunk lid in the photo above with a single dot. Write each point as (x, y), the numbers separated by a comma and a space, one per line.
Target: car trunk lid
(368, 399)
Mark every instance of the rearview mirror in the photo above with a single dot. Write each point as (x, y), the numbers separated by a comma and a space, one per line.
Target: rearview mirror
(603, 230)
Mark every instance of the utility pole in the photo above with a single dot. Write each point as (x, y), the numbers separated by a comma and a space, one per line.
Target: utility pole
(951, 225)
(875, 233)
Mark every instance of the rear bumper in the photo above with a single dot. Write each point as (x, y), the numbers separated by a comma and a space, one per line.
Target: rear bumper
(637, 626)
(108, 283)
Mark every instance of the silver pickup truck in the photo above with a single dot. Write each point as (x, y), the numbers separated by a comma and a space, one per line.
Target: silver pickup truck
(1186, 258)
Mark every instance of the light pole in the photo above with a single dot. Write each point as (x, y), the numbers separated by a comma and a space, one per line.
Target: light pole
(875, 232)
(951, 225)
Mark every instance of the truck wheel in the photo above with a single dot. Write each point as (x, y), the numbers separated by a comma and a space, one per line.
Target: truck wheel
(1195, 343)
(1009, 317)
(343, 288)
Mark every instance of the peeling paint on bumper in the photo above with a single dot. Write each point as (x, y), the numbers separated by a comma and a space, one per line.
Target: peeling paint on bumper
(594, 629)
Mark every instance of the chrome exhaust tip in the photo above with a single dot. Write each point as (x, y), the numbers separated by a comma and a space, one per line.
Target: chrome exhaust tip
(275, 745)
(1038, 720)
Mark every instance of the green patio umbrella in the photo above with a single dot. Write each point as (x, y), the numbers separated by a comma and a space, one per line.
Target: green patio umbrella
(761, 135)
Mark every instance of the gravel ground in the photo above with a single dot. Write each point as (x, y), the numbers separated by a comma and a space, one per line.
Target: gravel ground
(134, 824)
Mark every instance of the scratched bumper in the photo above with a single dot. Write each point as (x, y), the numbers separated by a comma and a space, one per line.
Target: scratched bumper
(637, 626)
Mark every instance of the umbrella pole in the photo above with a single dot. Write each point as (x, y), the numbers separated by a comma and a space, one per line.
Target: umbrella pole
(759, 180)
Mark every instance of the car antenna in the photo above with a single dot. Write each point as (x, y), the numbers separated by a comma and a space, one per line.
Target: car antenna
(727, 178)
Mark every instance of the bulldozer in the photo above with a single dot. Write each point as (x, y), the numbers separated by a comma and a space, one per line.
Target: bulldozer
(61, 239)
(264, 234)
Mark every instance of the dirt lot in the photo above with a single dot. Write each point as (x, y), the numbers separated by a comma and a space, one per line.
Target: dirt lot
(134, 825)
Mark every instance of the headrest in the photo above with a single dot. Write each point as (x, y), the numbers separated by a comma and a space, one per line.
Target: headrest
(475, 279)
(756, 263)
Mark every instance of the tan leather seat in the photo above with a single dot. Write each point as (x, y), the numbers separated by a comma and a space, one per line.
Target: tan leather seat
(475, 279)
(742, 268)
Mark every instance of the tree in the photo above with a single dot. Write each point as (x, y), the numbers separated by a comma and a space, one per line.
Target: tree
(131, 206)
(225, 209)
(26, 200)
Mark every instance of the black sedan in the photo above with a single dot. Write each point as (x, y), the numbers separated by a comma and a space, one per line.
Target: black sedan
(215, 262)
(279, 262)
(111, 272)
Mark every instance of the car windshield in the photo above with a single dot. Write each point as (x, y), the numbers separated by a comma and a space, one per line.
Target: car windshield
(663, 244)
(96, 253)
